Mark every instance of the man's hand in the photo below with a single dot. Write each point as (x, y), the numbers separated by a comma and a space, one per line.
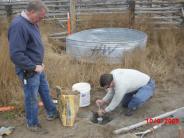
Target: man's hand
(39, 68)
(101, 112)
(100, 102)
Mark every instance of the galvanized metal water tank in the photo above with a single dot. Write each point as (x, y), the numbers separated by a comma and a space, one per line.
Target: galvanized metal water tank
(109, 43)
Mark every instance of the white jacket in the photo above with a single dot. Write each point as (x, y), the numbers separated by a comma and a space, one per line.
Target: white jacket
(125, 81)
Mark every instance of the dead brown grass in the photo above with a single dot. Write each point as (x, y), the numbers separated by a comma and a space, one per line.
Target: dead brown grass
(160, 59)
(102, 20)
(10, 91)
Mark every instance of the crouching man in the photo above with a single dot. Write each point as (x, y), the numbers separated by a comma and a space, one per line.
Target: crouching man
(129, 87)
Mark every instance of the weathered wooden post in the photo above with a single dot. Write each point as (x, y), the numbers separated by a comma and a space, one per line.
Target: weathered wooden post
(8, 8)
(149, 6)
(150, 3)
(73, 15)
(131, 4)
(182, 13)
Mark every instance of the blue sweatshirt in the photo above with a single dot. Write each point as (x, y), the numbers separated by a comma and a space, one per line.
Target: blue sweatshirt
(25, 44)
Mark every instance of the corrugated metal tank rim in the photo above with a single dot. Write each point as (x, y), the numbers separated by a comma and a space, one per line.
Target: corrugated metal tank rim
(81, 36)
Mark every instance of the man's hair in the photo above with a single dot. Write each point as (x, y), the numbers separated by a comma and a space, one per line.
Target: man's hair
(106, 79)
(36, 5)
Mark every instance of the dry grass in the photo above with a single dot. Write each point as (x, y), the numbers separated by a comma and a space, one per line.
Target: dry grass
(10, 91)
(102, 20)
(160, 59)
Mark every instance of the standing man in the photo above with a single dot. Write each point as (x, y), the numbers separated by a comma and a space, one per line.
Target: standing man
(27, 53)
(130, 87)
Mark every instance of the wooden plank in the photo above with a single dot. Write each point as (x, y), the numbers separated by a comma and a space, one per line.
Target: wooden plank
(78, 20)
(160, 22)
(166, 21)
(58, 6)
(15, 3)
(101, 4)
(18, 7)
(158, 3)
(73, 15)
(57, 34)
(158, 9)
(152, 12)
(55, 18)
(182, 11)
(59, 37)
(102, 9)
(2, 13)
(102, 12)
(56, 2)
(57, 14)
(26, 2)
(158, 17)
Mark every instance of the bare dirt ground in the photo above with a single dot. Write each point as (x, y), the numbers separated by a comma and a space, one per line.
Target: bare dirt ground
(163, 101)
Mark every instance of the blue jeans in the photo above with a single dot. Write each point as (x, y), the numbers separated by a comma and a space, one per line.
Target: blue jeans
(139, 97)
(37, 84)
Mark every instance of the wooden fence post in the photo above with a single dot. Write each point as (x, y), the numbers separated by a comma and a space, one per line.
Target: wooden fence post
(131, 4)
(8, 8)
(150, 3)
(182, 14)
(149, 6)
(73, 15)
